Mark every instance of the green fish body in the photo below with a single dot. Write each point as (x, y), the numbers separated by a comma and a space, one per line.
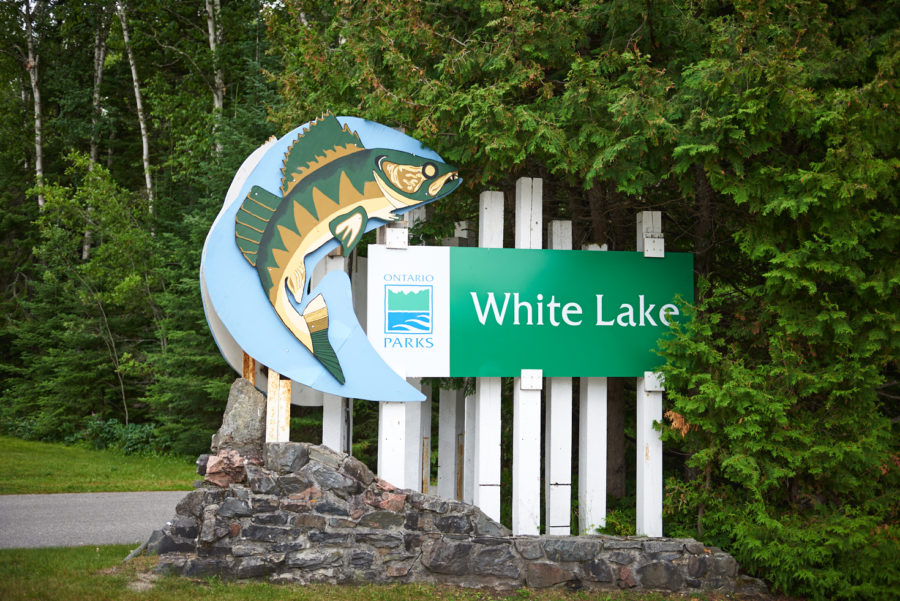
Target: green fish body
(331, 187)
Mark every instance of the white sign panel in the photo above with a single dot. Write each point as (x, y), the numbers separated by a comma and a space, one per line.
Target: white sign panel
(408, 317)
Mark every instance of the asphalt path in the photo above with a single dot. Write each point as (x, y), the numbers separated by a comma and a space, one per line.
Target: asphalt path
(75, 519)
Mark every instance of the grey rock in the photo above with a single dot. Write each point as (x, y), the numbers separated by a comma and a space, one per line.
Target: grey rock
(325, 456)
(270, 519)
(357, 470)
(244, 423)
(198, 568)
(234, 507)
(201, 464)
(497, 560)
(695, 548)
(529, 548)
(245, 549)
(307, 521)
(264, 533)
(251, 567)
(329, 538)
(485, 526)
(724, 565)
(612, 544)
(660, 575)
(621, 557)
(571, 549)
(663, 546)
(312, 560)
(598, 571)
(446, 557)
(453, 524)
(152, 545)
(292, 484)
(542, 574)
(331, 480)
(330, 507)
(264, 503)
(380, 540)
(286, 457)
(192, 504)
(385, 520)
(172, 544)
(361, 559)
(184, 527)
(260, 480)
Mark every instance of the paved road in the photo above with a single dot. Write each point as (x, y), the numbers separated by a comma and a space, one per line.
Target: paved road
(69, 520)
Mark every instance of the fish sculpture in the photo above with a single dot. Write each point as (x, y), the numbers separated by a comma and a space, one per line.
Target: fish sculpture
(332, 187)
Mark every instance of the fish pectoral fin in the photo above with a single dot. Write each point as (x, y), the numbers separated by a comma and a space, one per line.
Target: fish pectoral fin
(349, 228)
(316, 316)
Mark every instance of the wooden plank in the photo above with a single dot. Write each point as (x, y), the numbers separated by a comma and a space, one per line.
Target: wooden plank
(592, 442)
(526, 468)
(335, 423)
(558, 426)
(392, 457)
(248, 368)
(526, 476)
(649, 466)
(486, 484)
(592, 455)
(649, 461)
(278, 408)
(485, 429)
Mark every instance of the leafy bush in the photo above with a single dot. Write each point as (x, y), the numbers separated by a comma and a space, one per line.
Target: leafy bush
(130, 439)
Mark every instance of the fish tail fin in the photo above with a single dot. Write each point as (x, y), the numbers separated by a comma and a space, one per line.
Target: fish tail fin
(251, 220)
(316, 316)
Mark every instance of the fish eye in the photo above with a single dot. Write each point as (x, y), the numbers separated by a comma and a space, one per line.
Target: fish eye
(429, 170)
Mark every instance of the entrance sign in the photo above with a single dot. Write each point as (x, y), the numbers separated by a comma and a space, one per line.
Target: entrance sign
(486, 312)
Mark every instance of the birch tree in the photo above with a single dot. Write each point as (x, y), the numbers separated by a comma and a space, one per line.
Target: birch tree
(32, 65)
(215, 36)
(139, 103)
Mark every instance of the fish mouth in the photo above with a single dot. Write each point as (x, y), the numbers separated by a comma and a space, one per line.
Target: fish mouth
(397, 201)
(437, 184)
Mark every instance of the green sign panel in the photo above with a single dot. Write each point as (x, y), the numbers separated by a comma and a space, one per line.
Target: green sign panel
(569, 313)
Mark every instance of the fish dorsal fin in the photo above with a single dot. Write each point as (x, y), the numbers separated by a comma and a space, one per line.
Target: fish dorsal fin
(349, 228)
(251, 220)
(324, 141)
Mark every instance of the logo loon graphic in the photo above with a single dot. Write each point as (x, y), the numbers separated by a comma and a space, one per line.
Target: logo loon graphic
(408, 309)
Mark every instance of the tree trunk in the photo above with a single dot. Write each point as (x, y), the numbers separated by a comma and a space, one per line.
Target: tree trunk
(31, 65)
(100, 37)
(214, 29)
(704, 195)
(145, 140)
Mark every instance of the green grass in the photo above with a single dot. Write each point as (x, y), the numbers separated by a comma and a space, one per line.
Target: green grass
(95, 574)
(37, 467)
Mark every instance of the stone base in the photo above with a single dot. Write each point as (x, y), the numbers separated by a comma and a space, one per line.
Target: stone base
(311, 515)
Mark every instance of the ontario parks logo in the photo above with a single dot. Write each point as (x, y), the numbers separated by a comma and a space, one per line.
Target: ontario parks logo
(408, 309)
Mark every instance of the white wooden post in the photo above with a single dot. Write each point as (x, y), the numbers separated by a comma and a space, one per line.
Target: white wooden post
(558, 427)
(485, 452)
(451, 432)
(526, 476)
(278, 408)
(335, 423)
(649, 487)
(486, 489)
(392, 457)
(592, 455)
(649, 456)
(592, 427)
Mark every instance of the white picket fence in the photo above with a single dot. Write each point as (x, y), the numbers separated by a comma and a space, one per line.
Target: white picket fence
(468, 437)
